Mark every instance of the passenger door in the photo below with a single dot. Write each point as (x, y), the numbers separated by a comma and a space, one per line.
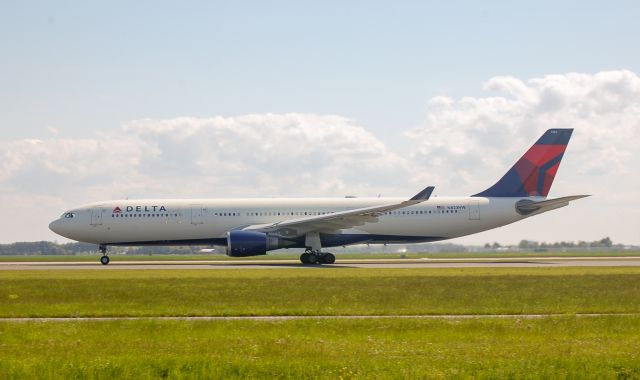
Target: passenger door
(96, 216)
(197, 214)
(474, 210)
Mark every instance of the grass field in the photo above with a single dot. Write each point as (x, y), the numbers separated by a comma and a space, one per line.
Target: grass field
(567, 347)
(287, 255)
(553, 348)
(319, 291)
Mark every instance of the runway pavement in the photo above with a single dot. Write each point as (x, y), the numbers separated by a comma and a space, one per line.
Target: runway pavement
(528, 262)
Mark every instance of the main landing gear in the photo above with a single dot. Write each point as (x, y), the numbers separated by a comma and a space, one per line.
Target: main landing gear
(104, 260)
(314, 254)
(317, 257)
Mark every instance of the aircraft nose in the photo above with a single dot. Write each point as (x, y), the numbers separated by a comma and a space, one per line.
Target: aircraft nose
(55, 226)
(60, 227)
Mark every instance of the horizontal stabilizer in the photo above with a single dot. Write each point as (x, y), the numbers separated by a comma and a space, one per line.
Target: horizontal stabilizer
(526, 207)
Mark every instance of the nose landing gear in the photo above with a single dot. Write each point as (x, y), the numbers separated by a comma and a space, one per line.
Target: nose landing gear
(104, 260)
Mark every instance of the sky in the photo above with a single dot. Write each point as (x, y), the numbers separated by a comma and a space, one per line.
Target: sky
(108, 100)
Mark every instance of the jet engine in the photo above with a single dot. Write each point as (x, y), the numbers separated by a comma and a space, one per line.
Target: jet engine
(250, 243)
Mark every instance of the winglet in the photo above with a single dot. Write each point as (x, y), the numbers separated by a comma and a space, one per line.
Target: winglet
(424, 194)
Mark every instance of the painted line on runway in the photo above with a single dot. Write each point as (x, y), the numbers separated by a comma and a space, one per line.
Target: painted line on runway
(303, 317)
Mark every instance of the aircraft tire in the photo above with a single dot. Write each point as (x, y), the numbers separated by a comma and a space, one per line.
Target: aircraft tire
(312, 258)
(328, 258)
(104, 260)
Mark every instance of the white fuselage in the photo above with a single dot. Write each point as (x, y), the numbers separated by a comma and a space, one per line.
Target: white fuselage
(207, 221)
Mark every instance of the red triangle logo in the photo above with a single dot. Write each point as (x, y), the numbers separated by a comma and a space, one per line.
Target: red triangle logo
(117, 210)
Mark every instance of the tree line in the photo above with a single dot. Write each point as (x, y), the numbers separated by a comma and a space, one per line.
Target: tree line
(531, 244)
(51, 248)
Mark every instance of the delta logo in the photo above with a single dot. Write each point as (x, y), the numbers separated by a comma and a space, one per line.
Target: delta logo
(118, 210)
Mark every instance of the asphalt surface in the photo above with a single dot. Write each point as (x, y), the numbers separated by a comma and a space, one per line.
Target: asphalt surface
(529, 262)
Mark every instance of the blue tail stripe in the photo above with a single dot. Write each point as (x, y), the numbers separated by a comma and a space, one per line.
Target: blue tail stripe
(555, 137)
(509, 185)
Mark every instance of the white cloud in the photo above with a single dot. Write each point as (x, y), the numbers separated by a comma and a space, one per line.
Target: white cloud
(291, 154)
(252, 155)
(474, 139)
(464, 146)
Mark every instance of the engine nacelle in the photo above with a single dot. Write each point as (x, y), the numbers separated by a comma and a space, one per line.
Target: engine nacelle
(250, 243)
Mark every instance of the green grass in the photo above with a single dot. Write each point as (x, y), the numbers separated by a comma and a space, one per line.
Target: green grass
(319, 291)
(567, 347)
(287, 255)
(552, 348)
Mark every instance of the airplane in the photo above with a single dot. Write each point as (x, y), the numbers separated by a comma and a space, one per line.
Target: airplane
(251, 227)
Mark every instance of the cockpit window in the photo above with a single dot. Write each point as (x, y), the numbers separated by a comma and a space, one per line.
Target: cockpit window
(69, 215)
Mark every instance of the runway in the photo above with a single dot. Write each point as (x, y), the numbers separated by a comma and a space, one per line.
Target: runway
(529, 262)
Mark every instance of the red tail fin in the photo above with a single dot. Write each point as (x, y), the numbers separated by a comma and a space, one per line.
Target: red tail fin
(533, 174)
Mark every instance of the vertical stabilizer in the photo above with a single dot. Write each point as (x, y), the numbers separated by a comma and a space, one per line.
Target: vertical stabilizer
(534, 172)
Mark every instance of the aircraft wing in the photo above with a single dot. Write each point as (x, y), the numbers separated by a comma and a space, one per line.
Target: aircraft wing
(337, 220)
